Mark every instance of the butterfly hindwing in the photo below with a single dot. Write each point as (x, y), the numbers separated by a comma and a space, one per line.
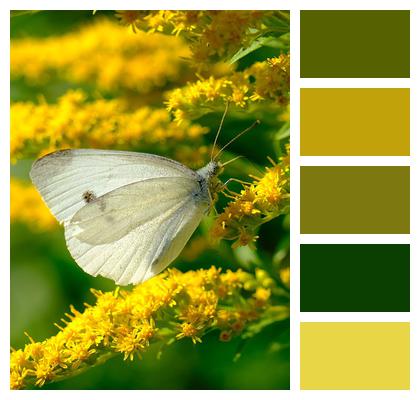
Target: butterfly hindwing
(135, 231)
(115, 214)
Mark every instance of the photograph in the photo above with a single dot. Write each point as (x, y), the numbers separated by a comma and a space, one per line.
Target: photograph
(150, 199)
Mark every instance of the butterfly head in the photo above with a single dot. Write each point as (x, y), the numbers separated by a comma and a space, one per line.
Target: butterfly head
(210, 174)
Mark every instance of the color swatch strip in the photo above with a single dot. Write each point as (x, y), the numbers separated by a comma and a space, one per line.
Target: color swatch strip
(343, 122)
(355, 199)
(355, 278)
(355, 355)
(355, 44)
(355, 122)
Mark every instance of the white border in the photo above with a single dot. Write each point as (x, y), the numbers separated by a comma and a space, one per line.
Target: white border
(296, 239)
(355, 82)
(354, 316)
(4, 209)
(411, 161)
(294, 200)
(355, 160)
(354, 239)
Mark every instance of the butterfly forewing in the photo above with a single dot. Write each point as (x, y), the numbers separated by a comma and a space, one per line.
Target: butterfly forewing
(68, 179)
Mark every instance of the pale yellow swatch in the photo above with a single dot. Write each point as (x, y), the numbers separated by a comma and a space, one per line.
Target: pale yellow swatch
(355, 122)
(355, 355)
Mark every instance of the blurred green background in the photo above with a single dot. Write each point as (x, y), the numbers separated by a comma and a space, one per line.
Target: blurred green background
(45, 280)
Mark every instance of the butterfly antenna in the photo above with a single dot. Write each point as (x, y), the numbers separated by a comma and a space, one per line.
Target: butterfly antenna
(232, 160)
(257, 122)
(218, 131)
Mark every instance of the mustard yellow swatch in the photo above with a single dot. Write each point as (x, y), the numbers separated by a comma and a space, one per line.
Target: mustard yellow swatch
(355, 355)
(355, 122)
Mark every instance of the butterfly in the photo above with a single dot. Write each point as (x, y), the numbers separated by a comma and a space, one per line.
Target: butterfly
(126, 215)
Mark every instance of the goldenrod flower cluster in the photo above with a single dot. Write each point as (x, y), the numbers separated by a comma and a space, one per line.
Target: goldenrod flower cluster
(169, 307)
(75, 122)
(272, 80)
(212, 34)
(103, 54)
(265, 84)
(259, 202)
(27, 206)
(188, 59)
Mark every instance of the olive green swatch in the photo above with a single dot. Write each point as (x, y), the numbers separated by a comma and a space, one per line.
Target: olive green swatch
(355, 200)
(355, 277)
(355, 44)
(355, 122)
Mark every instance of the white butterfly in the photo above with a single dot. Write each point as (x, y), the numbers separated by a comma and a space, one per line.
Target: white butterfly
(126, 215)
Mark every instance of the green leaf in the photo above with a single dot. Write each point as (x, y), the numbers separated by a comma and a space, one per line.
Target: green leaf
(255, 45)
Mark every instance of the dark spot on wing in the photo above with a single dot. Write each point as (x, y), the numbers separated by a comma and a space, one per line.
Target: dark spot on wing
(88, 196)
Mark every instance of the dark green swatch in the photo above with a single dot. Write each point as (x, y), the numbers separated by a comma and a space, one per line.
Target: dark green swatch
(355, 277)
(355, 199)
(355, 44)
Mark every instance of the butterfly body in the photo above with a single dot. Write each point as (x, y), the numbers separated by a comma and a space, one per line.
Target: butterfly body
(126, 215)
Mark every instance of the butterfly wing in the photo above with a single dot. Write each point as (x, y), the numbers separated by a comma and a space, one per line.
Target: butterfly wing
(68, 179)
(127, 215)
(183, 226)
(134, 232)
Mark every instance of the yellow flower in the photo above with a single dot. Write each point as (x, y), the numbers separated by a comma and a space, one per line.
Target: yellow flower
(261, 296)
(223, 318)
(187, 329)
(211, 34)
(130, 342)
(244, 238)
(264, 84)
(128, 18)
(272, 79)
(266, 198)
(17, 378)
(285, 276)
(43, 372)
(178, 305)
(75, 122)
(78, 353)
(27, 206)
(104, 54)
